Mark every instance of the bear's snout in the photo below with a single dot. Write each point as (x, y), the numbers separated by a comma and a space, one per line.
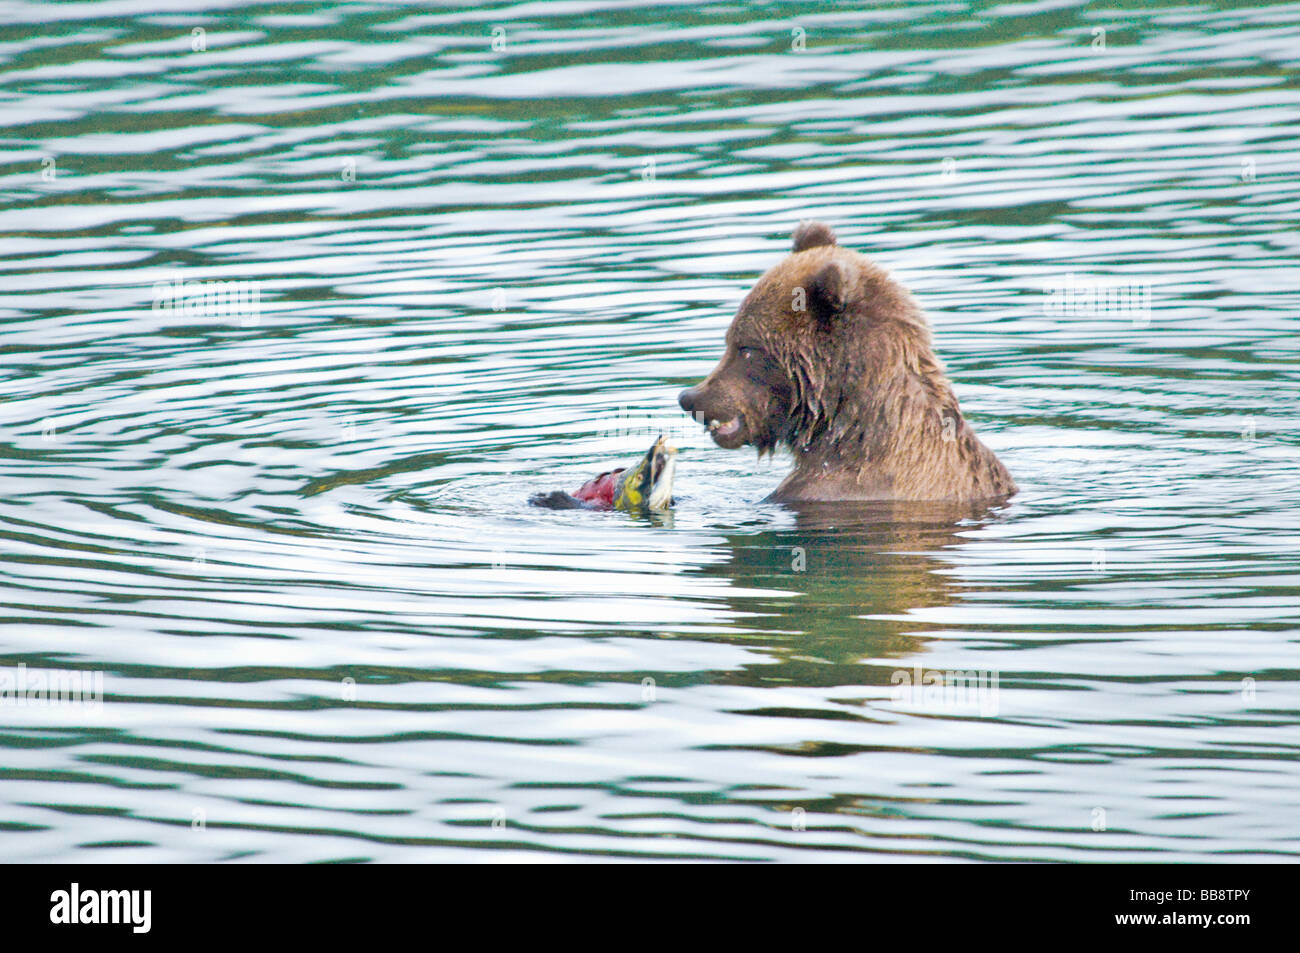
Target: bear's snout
(714, 407)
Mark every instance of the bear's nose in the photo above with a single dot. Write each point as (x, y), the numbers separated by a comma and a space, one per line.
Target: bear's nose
(687, 399)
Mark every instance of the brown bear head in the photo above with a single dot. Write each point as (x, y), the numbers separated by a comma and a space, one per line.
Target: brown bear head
(817, 344)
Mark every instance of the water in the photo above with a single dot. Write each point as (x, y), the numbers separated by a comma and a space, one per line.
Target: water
(292, 541)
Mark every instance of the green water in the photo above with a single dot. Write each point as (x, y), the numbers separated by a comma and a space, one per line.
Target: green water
(291, 537)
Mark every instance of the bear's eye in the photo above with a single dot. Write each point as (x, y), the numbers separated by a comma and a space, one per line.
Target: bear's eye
(749, 353)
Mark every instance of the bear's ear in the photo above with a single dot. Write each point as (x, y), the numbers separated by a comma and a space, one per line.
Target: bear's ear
(810, 234)
(828, 292)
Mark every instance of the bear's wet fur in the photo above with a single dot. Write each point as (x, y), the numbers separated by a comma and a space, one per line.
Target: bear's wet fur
(829, 356)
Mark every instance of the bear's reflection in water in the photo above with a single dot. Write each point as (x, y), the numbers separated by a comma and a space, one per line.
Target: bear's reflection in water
(841, 585)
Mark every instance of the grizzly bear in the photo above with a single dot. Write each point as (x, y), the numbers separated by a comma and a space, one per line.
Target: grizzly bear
(832, 358)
